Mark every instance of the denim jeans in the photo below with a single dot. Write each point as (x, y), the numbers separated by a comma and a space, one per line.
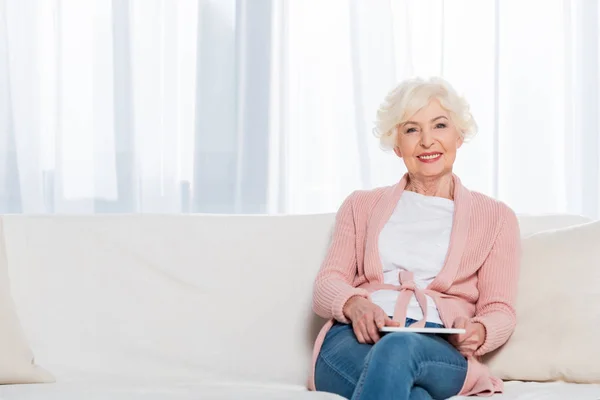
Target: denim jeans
(401, 366)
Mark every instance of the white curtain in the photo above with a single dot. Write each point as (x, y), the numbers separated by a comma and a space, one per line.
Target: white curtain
(267, 106)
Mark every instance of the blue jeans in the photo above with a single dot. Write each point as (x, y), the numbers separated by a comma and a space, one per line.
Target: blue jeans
(401, 366)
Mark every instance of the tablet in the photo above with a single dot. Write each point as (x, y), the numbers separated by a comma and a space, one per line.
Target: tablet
(444, 331)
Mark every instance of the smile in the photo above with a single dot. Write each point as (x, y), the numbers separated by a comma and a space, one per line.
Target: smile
(431, 156)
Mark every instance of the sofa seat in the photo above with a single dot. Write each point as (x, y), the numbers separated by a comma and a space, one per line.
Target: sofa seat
(123, 390)
(65, 390)
(544, 391)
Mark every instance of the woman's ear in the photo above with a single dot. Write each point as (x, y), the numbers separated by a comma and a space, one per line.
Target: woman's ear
(397, 151)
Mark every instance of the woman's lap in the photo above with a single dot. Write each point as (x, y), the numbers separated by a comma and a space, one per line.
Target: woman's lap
(436, 367)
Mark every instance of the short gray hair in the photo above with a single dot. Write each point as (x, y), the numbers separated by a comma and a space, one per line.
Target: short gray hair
(409, 97)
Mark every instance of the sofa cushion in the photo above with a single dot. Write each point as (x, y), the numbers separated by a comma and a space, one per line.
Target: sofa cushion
(558, 318)
(530, 224)
(200, 298)
(16, 358)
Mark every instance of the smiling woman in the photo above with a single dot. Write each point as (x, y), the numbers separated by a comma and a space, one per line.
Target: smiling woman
(428, 142)
(426, 252)
(425, 122)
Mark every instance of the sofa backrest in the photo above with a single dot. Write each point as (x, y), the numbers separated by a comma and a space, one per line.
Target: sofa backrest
(215, 298)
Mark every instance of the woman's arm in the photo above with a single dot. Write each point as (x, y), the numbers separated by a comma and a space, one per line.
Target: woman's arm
(333, 285)
(497, 284)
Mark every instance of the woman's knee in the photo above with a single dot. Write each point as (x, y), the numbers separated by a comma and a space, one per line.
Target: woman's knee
(399, 341)
(394, 347)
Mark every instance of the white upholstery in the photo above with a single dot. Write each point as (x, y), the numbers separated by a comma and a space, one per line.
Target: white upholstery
(189, 391)
(157, 391)
(545, 391)
(16, 361)
(183, 302)
(559, 272)
(530, 224)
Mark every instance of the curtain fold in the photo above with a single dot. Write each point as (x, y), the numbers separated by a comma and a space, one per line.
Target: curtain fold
(267, 106)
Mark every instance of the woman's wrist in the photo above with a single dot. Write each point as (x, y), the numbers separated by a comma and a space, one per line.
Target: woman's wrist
(352, 300)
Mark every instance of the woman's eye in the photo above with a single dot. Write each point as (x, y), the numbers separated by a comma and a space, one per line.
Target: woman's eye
(441, 125)
(411, 130)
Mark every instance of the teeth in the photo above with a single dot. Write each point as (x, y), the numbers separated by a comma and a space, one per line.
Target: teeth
(430, 156)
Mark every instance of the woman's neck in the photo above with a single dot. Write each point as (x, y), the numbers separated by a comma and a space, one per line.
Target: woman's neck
(439, 186)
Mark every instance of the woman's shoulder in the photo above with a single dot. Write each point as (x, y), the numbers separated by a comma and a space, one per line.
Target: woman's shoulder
(365, 199)
(492, 208)
(360, 204)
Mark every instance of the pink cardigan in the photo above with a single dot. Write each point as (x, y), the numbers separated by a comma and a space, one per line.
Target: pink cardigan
(478, 280)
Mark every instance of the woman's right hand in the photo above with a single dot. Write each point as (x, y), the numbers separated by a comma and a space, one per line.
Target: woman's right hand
(367, 318)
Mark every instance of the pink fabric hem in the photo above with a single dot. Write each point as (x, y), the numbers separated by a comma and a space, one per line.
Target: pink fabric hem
(479, 381)
(316, 350)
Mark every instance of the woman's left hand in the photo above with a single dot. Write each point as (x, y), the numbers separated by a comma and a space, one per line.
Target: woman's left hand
(467, 343)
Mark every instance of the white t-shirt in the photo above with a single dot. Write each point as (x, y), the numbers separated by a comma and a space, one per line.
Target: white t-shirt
(416, 239)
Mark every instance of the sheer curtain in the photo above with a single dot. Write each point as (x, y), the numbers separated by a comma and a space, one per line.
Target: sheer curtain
(267, 106)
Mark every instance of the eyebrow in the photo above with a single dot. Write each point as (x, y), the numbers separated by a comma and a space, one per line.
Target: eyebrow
(433, 120)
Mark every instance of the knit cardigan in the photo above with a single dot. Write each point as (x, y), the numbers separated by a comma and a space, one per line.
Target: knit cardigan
(478, 279)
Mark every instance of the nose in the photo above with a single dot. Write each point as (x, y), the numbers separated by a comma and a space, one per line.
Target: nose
(426, 138)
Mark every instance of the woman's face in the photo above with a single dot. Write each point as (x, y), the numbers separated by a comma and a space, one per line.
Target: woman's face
(428, 142)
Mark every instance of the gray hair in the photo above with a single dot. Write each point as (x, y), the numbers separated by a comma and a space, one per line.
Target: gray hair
(409, 97)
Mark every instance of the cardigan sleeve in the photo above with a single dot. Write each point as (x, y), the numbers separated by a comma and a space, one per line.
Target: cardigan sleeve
(333, 284)
(497, 285)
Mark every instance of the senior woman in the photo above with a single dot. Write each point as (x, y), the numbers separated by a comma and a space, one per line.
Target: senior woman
(425, 252)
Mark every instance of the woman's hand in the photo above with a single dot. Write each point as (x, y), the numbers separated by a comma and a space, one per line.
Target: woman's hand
(367, 318)
(467, 343)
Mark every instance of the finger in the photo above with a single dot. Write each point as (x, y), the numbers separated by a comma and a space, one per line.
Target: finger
(468, 345)
(391, 322)
(453, 339)
(460, 338)
(375, 337)
(470, 328)
(380, 320)
(369, 329)
(467, 351)
(471, 335)
(362, 324)
(358, 333)
(373, 331)
(366, 335)
(461, 323)
(364, 332)
(463, 340)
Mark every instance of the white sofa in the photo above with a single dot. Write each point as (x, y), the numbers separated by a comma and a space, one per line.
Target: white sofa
(182, 307)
